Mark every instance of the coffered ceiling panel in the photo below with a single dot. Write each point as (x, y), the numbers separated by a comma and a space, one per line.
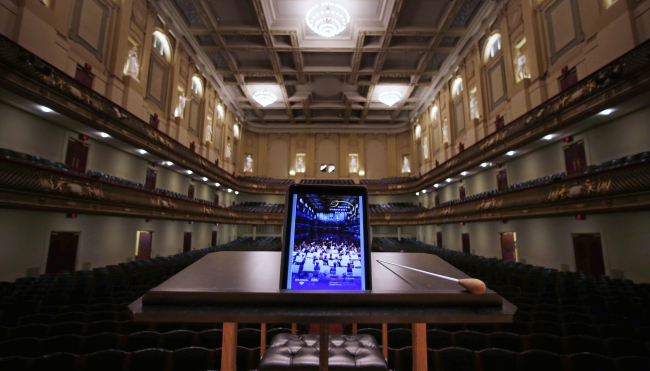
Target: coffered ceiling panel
(399, 45)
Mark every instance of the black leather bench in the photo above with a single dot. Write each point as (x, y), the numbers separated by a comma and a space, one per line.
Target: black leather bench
(300, 353)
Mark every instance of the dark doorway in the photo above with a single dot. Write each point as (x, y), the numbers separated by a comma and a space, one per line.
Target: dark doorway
(437, 200)
(568, 79)
(214, 238)
(216, 198)
(62, 254)
(190, 191)
(150, 181)
(84, 77)
(502, 180)
(509, 246)
(588, 252)
(466, 248)
(187, 241)
(76, 155)
(143, 250)
(575, 158)
(462, 192)
(439, 239)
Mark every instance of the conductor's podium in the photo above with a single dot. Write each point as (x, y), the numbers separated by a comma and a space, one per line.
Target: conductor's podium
(243, 287)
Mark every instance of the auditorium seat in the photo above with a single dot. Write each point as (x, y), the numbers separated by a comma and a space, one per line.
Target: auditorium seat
(149, 360)
(507, 341)
(633, 364)
(584, 344)
(62, 344)
(622, 347)
(14, 363)
(22, 347)
(178, 339)
(376, 333)
(55, 362)
(498, 360)
(549, 343)
(540, 360)
(130, 327)
(438, 339)
(399, 338)
(191, 359)
(98, 342)
(102, 326)
(142, 340)
(470, 340)
(105, 360)
(456, 359)
(591, 362)
(36, 331)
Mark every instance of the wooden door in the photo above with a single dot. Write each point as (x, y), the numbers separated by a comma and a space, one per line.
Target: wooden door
(143, 250)
(439, 239)
(508, 247)
(575, 158)
(466, 248)
(190, 191)
(214, 238)
(462, 192)
(84, 77)
(437, 200)
(76, 155)
(502, 180)
(187, 241)
(216, 198)
(588, 252)
(62, 254)
(150, 181)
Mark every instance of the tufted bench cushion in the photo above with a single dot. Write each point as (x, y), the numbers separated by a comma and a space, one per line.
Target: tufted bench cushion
(300, 353)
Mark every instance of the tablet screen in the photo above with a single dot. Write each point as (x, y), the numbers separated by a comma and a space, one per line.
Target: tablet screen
(327, 249)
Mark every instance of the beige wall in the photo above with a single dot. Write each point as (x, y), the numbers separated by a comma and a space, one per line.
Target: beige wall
(103, 240)
(547, 242)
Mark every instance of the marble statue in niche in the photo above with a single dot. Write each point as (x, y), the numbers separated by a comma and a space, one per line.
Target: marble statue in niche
(208, 131)
(300, 163)
(473, 107)
(228, 150)
(425, 148)
(406, 166)
(522, 66)
(180, 110)
(248, 167)
(354, 163)
(445, 132)
(132, 67)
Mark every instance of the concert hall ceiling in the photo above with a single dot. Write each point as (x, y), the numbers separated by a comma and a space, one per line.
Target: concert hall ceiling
(265, 45)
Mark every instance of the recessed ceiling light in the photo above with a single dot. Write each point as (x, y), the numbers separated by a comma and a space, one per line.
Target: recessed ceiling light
(606, 112)
(188, 171)
(229, 190)
(168, 163)
(217, 184)
(463, 173)
(436, 185)
(448, 180)
(486, 164)
(104, 135)
(142, 151)
(236, 192)
(45, 109)
(417, 193)
(424, 191)
(511, 153)
(205, 179)
(548, 137)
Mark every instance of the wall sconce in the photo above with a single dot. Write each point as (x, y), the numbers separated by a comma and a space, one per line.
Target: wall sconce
(362, 173)
(292, 172)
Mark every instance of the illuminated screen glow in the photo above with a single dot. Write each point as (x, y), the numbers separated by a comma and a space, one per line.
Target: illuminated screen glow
(327, 250)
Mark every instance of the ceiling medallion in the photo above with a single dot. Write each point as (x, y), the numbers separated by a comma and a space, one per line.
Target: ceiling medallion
(390, 97)
(328, 19)
(264, 98)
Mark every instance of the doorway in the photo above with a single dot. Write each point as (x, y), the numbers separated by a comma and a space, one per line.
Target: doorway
(466, 248)
(187, 241)
(462, 192)
(575, 158)
(190, 191)
(214, 238)
(437, 200)
(76, 155)
(509, 246)
(439, 239)
(502, 180)
(62, 254)
(143, 245)
(150, 180)
(588, 252)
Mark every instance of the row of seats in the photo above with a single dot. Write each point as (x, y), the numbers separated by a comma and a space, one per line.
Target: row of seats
(258, 179)
(395, 207)
(387, 180)
(261, 207)
(32, 159)
(115, 180)
(607, 165)
(328, 181)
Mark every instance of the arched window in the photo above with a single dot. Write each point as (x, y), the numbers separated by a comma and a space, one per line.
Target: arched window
(457, 87)
(220, 111)
(434, 113)
(492, 46)
(197, 86)
(418, 131)
(161, 44)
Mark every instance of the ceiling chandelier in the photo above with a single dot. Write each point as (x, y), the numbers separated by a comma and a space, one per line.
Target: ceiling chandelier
(328, 19)
(390, 97)
(264, 98)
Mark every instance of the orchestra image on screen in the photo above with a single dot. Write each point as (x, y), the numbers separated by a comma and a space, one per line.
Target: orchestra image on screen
(327, 248)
